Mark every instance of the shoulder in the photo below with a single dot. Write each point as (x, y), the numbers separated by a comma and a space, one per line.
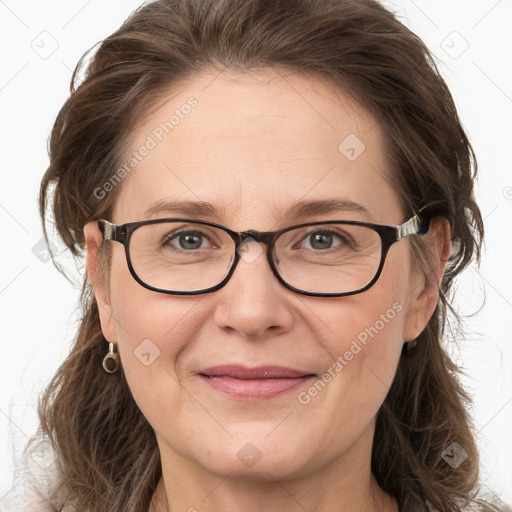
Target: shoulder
(35, 479)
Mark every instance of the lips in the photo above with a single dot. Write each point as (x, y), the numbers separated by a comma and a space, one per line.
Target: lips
(258, 383)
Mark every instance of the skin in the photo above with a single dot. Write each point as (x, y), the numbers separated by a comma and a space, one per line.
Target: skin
(253, 133)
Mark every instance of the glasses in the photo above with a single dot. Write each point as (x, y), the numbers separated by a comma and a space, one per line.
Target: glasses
(322, 259)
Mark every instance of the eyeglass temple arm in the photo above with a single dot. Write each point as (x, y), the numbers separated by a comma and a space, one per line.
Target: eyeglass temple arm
(414, 226)
(110, 231)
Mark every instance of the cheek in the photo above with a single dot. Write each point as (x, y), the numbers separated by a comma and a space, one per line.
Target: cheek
(364, 346)
(366, 343)
(153, 331)
(141, 314)
(368, 327)
(342, 403)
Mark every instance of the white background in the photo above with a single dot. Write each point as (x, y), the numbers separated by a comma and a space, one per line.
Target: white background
(38, 306)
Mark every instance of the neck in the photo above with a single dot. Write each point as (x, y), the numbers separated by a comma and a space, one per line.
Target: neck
(281, 497)
(342, 485)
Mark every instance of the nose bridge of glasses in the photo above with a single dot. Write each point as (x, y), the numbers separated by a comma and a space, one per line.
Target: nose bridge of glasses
(250, 252)
(262, 237)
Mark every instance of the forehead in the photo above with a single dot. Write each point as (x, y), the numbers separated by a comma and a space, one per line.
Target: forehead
(252, 144)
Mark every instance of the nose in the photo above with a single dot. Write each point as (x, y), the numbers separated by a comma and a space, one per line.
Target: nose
(253, 303)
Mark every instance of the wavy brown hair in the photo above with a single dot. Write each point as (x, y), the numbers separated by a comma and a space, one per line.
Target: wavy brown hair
(107, 454)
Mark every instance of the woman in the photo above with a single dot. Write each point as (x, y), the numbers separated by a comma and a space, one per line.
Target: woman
(273, 343)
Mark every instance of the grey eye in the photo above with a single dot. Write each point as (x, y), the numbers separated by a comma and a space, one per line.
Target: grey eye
(321, 240)
(186, 240)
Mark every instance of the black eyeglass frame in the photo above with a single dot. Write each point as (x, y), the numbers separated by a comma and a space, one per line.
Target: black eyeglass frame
(389, 235)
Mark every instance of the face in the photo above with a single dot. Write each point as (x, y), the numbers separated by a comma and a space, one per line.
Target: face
(252, 146)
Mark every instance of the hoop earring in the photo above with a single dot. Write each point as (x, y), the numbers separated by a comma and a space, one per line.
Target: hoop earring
(111, 360)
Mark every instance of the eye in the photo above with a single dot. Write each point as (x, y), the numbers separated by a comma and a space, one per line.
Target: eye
(322, 240)
(186, 240)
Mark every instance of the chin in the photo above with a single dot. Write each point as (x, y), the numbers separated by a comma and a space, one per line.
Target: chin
(257, 458)
(265, 469)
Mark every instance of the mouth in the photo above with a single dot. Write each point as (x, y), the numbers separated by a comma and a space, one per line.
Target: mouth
(260, 383)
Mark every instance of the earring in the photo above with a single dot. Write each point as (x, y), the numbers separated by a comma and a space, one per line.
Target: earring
(111, 360)
(411, 345)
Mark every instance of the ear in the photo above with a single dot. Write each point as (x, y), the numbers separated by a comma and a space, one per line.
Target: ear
(93, 241)
(424, 289)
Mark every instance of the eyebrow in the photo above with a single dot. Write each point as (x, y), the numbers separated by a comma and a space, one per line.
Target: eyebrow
(311, 208)
(297, 210)
(188, 208)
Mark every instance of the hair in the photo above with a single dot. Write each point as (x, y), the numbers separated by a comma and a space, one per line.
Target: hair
(108, 458)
